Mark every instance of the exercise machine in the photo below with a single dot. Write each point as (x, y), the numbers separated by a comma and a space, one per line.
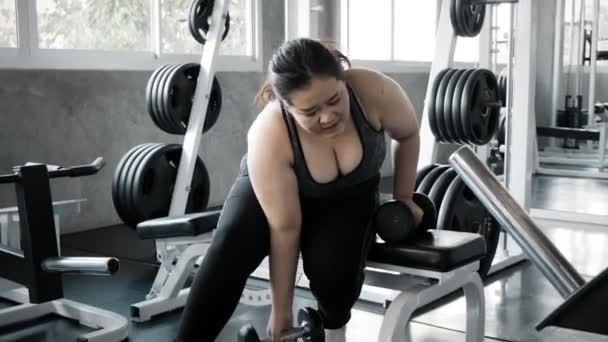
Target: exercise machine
(31, 274)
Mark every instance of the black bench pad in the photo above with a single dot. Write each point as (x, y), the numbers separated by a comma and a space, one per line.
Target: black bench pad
(187, 225)
(436, 250)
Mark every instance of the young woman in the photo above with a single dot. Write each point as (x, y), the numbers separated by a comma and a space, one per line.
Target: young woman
(309, 185)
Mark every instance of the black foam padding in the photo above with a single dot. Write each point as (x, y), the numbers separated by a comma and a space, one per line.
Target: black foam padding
(435, 250)
(187, 225)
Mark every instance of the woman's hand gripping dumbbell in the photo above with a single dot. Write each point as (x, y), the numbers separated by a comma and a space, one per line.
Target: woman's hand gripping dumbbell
(396, 223)
(311, 329)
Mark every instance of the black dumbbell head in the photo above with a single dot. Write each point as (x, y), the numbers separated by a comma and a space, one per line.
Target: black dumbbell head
(394, 222)
(311, 318)
(429, 218)
(248, 334)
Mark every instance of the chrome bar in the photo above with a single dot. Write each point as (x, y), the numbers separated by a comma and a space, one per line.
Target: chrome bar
(516, 221)
(88, 265)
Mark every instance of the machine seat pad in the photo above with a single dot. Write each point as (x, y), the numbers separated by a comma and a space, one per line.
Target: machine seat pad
(177, 226)
(435, 250)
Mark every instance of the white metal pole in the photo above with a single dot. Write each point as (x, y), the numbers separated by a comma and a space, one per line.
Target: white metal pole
(192, 138)
(579, 51)
(445, 43)
(593, 63)
(509, 97)
(558, 63)
(487, 55)
(524, 94)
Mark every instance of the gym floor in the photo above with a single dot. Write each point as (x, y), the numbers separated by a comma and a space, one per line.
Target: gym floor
(516, 299)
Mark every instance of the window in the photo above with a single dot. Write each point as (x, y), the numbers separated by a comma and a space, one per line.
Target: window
(503, 24)
(415, 30)
(120, 34)
(176, 37)
(94, 25)
(398, 31)
(8, 24)
(369, 29)
(602, 42)
(467, 49)
(376, 32)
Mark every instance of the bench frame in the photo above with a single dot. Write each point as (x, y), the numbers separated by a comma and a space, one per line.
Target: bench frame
(418, 288)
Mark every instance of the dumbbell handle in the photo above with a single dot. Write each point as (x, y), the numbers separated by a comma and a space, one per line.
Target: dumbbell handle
(291, 334)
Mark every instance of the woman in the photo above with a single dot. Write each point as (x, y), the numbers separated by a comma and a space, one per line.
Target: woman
(309, 185)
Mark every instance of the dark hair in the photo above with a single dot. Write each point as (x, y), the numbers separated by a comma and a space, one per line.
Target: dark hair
(295, 63)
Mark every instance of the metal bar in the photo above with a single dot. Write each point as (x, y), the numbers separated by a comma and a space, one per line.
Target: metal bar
(509, 105)
(494, 1)
(593, 65)
(38, 233)
(444, 56)
(579, 51)
(81, 265)
(523, 96)
(198, 112)
(558, 62)
(516, 221)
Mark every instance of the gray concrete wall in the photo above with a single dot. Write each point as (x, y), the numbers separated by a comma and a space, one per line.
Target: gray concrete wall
(71, 117)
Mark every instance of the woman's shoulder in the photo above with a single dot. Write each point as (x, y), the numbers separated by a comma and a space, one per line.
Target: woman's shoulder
(269, 131)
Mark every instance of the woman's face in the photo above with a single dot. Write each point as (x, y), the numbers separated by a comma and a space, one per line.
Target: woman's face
(321, 107)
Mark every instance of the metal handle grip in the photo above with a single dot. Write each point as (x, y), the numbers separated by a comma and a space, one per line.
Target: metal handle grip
(81, 265)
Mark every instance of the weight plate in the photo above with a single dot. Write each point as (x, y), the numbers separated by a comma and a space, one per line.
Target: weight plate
(440, 186)
(156, 103)
(214, 107)
(130, 181)
(461, 211)
(501, 132)
(198, 20)
(430, 178)
(155, 180)
(479, 109)
(454, 19)
(432, 100)
(456, 101)
(422, 173)
(149, 96)
(439, 108)
(471, 16)
(117, 179)
(169, 86)
(446, 105)
(126, 184)
(179, 94)
(464, 105)
(172, 126)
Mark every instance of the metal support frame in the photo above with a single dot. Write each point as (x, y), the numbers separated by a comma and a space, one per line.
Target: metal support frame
(111, 327)
(511, 215)
(417, 288)
(25, 276)
(591, 160)
(444, 55)
(179, 256)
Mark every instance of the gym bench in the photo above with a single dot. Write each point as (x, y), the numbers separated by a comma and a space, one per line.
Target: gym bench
(425, 270)
(422, 271)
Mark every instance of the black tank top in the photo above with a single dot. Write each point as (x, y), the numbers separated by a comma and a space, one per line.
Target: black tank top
(374, 151)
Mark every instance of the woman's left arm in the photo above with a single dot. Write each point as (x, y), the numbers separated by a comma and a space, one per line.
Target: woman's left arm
(398, 118)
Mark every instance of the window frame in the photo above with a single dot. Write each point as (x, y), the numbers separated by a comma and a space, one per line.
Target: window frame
(29, 56)
(391, 65)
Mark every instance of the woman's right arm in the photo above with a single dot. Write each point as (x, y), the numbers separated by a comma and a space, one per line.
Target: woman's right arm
(275, 185)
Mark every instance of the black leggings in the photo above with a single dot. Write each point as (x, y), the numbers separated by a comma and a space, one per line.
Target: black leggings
(336, 236)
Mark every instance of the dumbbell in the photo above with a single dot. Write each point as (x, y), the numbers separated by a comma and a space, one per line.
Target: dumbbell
(310, 329)
(395, 222)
